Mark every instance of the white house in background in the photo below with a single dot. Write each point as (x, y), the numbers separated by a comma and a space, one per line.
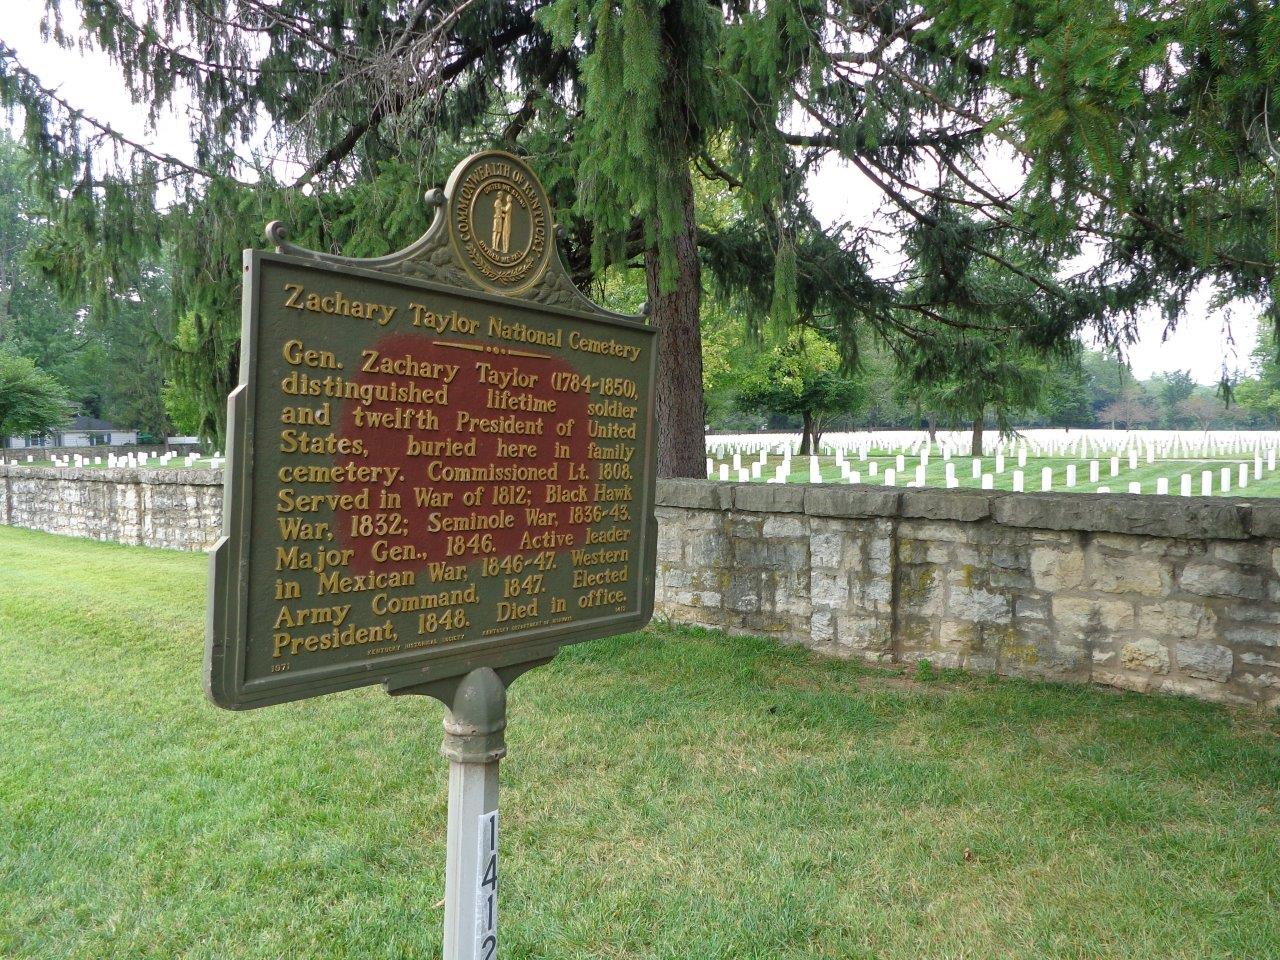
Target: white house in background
(78, 432)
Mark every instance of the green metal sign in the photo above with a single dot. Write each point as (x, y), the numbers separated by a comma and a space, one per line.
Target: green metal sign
(438, 461)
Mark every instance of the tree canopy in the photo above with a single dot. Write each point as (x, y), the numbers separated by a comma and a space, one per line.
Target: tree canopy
(1093, 158)
(31, 401)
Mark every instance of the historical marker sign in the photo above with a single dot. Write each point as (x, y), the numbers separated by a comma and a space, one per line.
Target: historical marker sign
(438, 460)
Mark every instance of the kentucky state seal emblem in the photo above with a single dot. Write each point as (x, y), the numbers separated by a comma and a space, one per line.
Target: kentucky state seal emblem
(499, 221)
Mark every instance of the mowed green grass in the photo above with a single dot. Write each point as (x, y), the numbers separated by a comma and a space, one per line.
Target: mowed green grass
(935, 474)
(670, 794)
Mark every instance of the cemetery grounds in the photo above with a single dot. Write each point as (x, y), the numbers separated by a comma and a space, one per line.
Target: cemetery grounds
(1219, 463)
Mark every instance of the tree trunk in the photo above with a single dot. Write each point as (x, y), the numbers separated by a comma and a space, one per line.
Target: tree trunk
(680, 409)
(975, 449)
(806, 433)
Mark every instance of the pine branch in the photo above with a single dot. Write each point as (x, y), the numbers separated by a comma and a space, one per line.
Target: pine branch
(389, 107)
(32, 82)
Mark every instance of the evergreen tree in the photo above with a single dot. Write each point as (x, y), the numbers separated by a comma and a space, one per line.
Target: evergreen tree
(1146, 134)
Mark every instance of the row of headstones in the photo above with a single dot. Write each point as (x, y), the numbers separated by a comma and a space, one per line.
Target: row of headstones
(782, 473)
(141, 459)
(1080, 447)
(922, 450)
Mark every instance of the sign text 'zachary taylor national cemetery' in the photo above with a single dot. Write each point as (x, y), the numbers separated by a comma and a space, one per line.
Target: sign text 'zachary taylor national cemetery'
(438, 460)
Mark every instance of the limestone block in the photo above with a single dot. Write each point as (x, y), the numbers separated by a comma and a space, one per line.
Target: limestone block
(1145, 654)
(1245, 554)
(822, 627)
(826, 549)
(829, 589)
(743, 593)
(971, 603)
(1211, 580)
(1127, 574)
(1178, 619)
(1259, 636)
(776, 528)
(1209, 661)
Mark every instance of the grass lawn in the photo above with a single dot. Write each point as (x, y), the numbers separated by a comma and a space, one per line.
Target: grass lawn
(668, 794)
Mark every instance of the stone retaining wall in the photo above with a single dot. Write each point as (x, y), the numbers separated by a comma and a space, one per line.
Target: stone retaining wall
(1146, 593)
(178, 509)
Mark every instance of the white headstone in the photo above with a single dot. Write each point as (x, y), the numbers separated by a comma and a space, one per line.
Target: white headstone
(1184, 485)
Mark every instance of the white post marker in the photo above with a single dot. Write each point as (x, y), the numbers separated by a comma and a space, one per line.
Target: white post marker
(1093, 471)
(988, 481)
(1046, 478)
(1115, 466)
(1226, 479)
(890, 478)
(487, 887)
(1206, 483)
(1162, 485)
(1135, 487)
(977, 468)
(1071, 474)
(1019, 482)
(724, 471)
(920, 475)
(1184, 485)
(1244, 476)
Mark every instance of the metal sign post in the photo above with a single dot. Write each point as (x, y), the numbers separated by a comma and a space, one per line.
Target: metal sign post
(474, 743)
(441, 469)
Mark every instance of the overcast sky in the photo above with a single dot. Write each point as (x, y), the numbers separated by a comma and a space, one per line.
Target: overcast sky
(1204, 339)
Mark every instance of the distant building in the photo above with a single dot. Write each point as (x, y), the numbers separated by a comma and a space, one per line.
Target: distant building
(79, 432)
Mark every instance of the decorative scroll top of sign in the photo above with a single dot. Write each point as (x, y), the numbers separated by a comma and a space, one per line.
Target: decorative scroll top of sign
(500, 222)
(493, 231)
